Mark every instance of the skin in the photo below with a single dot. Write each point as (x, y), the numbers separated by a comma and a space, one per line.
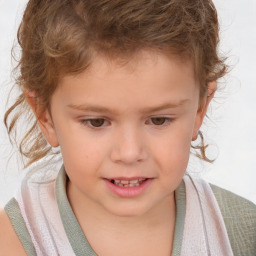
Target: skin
(10, 245)
(148, 111)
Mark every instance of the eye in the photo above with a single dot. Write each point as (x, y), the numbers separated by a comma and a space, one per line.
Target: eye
(158, 121)
(94, 122)
(97, 122)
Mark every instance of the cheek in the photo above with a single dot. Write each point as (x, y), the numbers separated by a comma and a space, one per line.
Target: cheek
(83, 154)
(75, 142)
(82, 165)
(173, 153)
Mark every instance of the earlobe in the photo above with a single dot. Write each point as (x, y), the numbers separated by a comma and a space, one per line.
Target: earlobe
(212, 87)
(44, 119)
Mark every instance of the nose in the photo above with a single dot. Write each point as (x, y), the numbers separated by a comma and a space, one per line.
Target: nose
(128, 147)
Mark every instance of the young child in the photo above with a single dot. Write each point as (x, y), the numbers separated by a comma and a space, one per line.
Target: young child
(122, 88)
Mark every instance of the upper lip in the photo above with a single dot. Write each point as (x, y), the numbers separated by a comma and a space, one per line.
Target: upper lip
(129, 178)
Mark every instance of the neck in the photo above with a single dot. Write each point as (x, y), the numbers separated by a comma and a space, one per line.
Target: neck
(144, 233)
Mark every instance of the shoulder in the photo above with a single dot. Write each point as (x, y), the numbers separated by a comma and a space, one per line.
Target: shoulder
(239, 215)
(234, 206)
(9, 242)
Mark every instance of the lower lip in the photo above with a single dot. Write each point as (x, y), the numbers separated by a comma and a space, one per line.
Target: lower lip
(128, 192)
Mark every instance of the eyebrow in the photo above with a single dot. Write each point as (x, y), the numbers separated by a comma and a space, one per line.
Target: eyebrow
(91, 108)
(102, 109)
(164, 106)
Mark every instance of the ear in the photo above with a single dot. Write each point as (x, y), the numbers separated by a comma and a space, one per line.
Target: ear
(212, 86)
(43, 117)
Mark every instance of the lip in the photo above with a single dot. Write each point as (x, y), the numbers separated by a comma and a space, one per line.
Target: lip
(128, 192)
(128, 178)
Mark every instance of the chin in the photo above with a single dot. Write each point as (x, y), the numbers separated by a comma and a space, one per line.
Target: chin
(128, 211)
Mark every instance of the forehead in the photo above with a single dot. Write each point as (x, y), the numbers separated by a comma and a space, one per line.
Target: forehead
(148, 75)
(139, 61)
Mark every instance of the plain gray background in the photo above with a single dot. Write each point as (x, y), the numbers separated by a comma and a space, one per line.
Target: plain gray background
(231, 128)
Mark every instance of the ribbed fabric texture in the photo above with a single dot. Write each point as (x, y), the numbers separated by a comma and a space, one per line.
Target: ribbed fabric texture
(239, 216)
(13, 211)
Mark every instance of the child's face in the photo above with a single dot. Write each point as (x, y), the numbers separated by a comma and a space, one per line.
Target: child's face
(131, 122)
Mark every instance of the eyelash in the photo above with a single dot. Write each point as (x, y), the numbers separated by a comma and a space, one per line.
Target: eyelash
(166, 120)
(88, 122)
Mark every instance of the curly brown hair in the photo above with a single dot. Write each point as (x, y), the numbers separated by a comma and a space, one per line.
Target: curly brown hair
(59, 37)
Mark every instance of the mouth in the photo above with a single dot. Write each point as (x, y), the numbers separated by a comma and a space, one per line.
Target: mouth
(128, 187)
(128, 183)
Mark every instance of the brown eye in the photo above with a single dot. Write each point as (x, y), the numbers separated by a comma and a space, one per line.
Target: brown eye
(158, 120)
(97, 122)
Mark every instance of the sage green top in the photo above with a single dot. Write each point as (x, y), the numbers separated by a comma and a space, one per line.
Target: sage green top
(239, 216)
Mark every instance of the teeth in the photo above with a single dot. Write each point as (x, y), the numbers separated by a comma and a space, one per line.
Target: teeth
(133, 181)
(124, 182)
(127, 183)
(134, 185)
